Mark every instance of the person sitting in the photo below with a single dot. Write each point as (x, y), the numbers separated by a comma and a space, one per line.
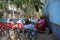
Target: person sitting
(2, 25)
(11, 24)
(29, 26)
(7, 23)
(18, 28)
(19, 24)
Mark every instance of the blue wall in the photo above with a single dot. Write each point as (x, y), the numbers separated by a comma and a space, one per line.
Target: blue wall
(53, 8)
(55, 31)
(54, 11)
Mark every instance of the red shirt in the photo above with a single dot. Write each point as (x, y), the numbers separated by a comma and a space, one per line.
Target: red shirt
(2, 24)
(36, 25)
(11, 24)
(19, 25)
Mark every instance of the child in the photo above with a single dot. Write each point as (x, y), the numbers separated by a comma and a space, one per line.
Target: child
(19, 24)
(29, 26)
(11, 24)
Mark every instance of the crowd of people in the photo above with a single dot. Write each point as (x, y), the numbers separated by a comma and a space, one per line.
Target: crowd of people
(36, 25)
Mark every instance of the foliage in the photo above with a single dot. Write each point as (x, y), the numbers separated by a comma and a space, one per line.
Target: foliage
(3, 4)
(20, 3)
(0, 14)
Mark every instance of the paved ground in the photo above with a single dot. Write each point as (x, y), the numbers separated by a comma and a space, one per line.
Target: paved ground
(44, 36)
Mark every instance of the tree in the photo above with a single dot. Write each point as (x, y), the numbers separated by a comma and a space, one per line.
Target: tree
(3, 5)
(29, 5)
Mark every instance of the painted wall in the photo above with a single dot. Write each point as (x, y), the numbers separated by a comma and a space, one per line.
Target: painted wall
(53, 8)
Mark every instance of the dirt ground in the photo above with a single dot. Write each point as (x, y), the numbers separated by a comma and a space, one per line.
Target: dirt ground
(42, 36)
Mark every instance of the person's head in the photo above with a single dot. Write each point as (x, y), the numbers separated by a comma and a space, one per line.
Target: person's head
(27, 21)
(41, 17)
(11, 19)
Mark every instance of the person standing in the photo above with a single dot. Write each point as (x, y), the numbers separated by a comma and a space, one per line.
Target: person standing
(46, 19)
(41, 24)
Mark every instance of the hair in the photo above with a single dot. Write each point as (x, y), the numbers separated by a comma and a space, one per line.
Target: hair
(10, 19)
(27, 21)
(41, 17)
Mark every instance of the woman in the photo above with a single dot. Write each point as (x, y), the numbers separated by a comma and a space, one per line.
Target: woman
(41, 24)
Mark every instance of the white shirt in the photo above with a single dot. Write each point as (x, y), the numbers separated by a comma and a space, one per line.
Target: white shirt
(8, 21)
(34, 20)
(29, 26)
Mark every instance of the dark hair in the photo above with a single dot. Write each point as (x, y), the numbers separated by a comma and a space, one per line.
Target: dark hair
(41, 17)
(10, 19)
(27, 21)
